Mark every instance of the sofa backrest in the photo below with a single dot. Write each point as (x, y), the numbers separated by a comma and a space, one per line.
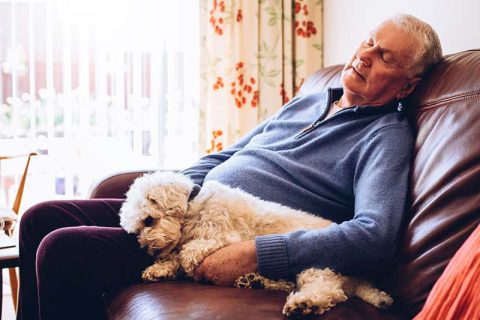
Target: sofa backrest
(444, 197)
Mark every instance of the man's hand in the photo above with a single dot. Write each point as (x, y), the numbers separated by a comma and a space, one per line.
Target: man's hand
(224, 266)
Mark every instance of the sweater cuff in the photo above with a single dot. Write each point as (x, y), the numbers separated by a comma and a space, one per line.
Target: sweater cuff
(272, 257)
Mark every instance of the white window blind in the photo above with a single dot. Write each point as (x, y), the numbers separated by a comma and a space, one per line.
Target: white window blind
(96, 87)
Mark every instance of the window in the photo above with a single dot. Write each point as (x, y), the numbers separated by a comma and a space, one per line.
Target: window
(96, 87)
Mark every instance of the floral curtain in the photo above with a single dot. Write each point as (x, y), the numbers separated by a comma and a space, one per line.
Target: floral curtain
(255, 56)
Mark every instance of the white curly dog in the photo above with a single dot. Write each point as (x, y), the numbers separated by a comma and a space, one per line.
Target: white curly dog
(181, 224)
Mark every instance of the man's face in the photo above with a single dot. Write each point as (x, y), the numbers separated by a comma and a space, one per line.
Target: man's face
(379, 71)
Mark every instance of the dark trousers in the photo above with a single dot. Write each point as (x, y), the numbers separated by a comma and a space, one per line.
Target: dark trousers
(71, 254)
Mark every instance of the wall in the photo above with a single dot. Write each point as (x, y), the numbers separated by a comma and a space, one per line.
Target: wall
(347, 23)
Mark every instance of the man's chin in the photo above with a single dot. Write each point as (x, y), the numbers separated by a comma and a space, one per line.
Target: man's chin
(353, 89)
(351, 83)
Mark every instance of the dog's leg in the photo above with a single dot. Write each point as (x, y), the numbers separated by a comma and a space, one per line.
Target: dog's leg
(318, 291)
(192, 253)
(163, 268)
(365, 291)
(256, 281)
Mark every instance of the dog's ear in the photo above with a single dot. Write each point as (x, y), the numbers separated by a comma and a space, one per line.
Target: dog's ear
(155, 195)
(169, 199)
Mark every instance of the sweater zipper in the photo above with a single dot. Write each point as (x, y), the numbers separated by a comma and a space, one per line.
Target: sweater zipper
(307, 129)
(312, 126)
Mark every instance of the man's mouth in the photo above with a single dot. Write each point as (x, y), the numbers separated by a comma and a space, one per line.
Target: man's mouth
(358, 73)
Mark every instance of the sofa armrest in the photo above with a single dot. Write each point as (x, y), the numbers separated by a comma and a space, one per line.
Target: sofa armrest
(115, 185)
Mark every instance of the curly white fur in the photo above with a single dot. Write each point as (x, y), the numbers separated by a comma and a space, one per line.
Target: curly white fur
(181, 234)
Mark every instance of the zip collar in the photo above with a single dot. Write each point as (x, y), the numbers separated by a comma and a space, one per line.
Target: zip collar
(335, 94)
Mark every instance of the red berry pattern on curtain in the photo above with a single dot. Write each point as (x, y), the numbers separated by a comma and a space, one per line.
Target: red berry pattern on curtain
(255, 56)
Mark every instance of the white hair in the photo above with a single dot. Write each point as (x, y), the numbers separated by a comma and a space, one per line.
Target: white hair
(430, 51)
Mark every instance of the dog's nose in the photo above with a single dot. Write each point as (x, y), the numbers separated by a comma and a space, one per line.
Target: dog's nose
(148, 221)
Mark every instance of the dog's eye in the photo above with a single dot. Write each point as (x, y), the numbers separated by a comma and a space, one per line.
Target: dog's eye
(148, 221)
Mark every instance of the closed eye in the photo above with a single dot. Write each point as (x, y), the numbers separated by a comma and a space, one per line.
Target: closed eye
(148, 221)
(388, 58)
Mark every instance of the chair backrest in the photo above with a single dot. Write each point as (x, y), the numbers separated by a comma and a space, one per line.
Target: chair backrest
(21, 186)
(444, 197)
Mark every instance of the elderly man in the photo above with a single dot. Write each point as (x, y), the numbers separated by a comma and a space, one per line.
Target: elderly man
(343, 154)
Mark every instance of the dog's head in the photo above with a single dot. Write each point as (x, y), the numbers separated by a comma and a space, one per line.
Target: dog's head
(155, 208)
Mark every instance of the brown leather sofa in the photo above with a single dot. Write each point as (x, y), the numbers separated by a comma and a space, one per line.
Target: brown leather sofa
(444, 208)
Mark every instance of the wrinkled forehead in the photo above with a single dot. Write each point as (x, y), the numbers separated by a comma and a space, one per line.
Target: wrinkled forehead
(392, 37)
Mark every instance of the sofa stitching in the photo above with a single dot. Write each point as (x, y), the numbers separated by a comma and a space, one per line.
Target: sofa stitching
(458, 97)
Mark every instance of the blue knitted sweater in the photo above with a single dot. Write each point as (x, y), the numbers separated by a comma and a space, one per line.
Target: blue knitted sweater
(351, 168)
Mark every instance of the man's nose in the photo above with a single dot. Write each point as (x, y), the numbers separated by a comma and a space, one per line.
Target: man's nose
(365, 56)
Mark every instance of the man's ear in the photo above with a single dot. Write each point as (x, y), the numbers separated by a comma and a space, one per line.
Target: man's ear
(408, 88)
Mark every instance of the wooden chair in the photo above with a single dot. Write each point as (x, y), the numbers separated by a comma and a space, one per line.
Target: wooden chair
(9, 256)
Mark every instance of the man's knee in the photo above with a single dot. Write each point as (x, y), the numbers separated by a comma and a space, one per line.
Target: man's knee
(40, 215)
(63, 264)
(55, 246)
(61, 253)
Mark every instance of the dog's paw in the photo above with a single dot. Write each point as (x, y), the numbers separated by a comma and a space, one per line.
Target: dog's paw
(189, 261)
(154, 273)
(249, 281)
(372, 295)
(194, 252)
(297, 309)
(255, 281)
(300, 303)
(300, 311)
(382, 300)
